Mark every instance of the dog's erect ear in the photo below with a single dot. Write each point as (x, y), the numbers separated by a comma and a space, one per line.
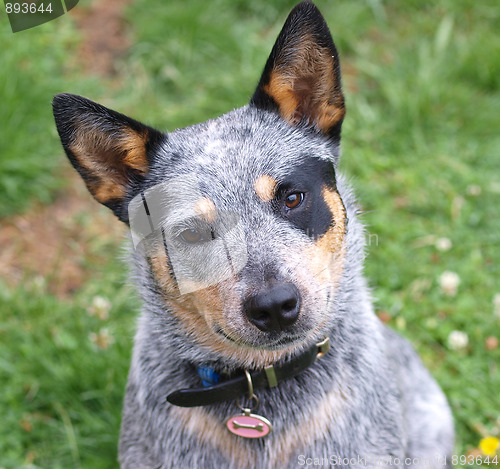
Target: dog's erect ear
(301, 79)
(111, 152)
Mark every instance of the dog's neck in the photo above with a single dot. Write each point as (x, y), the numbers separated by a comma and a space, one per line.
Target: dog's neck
(217, 389)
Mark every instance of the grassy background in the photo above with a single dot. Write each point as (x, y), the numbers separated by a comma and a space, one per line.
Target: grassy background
(421, 144)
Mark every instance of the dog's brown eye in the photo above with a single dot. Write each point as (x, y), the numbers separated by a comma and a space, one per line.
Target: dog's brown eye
(193, 236)
(293, 200)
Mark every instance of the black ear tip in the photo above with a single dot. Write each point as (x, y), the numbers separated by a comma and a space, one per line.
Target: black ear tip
(306, 9)
(63, 101)
(58, 102)
(68, 108)
(306, 5)
(306, 17)
(61, 98)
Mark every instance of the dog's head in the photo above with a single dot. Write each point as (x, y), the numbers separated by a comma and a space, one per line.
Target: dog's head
(238, 220)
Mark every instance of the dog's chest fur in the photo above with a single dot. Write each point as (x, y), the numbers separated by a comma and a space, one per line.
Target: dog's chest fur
(246, 250)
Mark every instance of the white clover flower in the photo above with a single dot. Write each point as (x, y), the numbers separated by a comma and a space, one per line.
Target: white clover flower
(473, 190)
(458, 340)
(449, 282)
(39, 284)
(99, 307)
(496, 305)
(103, 339)
(443, 244)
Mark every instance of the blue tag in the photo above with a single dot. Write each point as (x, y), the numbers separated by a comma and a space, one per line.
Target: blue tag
(208, 375)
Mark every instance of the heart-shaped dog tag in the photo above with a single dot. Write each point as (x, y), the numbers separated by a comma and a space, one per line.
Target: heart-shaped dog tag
(248, 425)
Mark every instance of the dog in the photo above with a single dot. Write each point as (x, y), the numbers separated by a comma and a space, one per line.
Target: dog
(257, 345)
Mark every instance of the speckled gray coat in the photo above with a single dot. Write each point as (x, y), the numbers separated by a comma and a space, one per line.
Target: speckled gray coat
(369, 401)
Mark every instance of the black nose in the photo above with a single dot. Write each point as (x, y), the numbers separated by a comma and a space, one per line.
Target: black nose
(274, 309)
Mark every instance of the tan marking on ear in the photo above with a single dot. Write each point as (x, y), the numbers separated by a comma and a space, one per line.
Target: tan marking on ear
(105, 158)
(134, 147)
(104, 183)
(280, 88)
(313, 426)
(328, 116)
(106, 191)
(84, 149)
(327, 253)
(303, 86)
(205, 208)
(265, 187)
(212, 431)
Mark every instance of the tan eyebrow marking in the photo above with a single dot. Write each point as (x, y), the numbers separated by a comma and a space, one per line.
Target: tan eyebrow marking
(205, 208)
(265, 187)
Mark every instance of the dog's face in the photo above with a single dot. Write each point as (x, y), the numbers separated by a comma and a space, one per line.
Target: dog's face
(238, 220)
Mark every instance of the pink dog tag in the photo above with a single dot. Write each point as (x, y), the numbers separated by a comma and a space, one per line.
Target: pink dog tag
(248, 425)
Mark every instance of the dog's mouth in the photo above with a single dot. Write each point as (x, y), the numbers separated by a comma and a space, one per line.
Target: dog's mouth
(285, 341)
(274, 341)
(218, 330)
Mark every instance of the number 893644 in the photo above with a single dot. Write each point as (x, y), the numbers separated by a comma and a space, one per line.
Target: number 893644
(28, 8)
(470, 459)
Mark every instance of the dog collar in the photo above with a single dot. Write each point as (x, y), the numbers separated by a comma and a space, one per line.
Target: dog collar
(234, 388)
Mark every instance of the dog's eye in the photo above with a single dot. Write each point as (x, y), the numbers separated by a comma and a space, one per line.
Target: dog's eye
(293, 200)
(194, 236)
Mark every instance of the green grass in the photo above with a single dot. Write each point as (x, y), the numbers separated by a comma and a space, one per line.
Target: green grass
(36, 64)
(420, 139)
(420, 136)
(61, 395)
